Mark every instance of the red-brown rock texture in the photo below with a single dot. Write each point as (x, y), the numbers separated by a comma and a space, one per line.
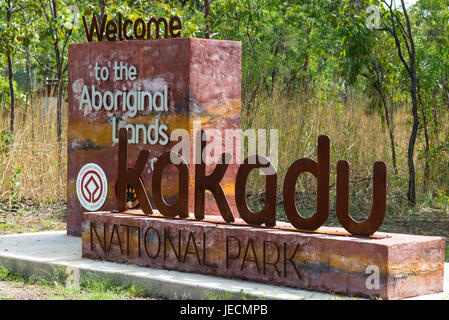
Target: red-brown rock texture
(203, 78)
(328, 260)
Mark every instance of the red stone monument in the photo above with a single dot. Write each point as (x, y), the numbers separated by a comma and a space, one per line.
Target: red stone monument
(151, 88)
(390, 266)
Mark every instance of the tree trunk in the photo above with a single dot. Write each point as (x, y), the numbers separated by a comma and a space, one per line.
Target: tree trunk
(28, 95)
(206, 15)
(59, 115)
(411, 194)
(11, 91)
(102, 8)
(389, 121)
(406, 34)
(10, 72)
(427, 147)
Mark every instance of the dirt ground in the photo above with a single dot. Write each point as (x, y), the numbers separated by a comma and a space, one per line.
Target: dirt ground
(16, 290)
(29, 216)
(10, 290)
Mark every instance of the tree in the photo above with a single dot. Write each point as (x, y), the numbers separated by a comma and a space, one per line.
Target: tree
(8, 37)
(365, 53)
(54, 13)
(398, 24)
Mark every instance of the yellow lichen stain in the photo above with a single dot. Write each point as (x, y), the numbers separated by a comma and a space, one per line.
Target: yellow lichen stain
(414, 267)
(205, 121)
(228, 187)
(98, 133)
(169, 188)
(224, 109)
(101, 134)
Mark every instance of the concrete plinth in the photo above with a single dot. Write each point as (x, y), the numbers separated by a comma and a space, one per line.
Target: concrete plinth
(389, 266)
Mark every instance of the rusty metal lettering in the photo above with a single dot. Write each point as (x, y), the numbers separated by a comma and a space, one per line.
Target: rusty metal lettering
(125, 31)
(176, 252)
(210, 182)
(377, 214)
(158, 243)
(181, 207)
(131, 177)
(142, 28)
(191, 236)
(119, 31)
(111, 30)
(266, 262)
(94, 27)
(250, 242)
(228, 257)
(321, 172)
(177, 27)
(268, 214)
(157, 23)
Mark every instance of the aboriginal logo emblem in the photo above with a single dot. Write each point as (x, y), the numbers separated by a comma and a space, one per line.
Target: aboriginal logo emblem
(91, 186)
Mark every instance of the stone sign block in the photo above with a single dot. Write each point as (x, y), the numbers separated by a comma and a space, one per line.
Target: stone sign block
(151, 88)
(390, 266)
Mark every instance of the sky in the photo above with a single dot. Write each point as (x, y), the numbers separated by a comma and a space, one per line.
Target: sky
(408, 3)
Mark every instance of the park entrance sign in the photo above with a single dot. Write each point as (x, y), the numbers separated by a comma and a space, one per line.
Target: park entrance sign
(135, 199)
(151, 88)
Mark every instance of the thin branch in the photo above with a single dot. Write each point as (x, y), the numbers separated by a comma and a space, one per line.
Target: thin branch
(33, 56)
(404, 33)
(66, 41)
(45, 11)
(398, 44)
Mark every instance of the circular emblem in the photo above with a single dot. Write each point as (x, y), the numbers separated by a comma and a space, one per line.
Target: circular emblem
(91, 186)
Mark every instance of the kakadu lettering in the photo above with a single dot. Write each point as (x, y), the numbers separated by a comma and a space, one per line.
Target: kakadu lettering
(319, 169)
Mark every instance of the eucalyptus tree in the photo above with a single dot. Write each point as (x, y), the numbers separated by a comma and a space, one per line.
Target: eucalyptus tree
(8, 35)
(367, 53)
(397, 23)
(56, 20)
(432, 40)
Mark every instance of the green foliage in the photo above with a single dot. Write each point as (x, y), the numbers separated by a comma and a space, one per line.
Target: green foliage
(6, 140)
(14, 187)
(4, 91)
(321, 50)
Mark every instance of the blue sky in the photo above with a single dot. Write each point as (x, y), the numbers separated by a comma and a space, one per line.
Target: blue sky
(409, 2)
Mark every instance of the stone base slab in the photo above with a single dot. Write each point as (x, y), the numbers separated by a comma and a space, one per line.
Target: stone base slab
(390, 266)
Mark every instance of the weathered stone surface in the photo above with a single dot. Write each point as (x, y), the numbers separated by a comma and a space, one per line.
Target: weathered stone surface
(204, 83)
(328, 260)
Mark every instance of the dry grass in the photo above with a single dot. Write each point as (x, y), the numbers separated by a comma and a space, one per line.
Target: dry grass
(355, 136)
(29, 161)
(27, 197)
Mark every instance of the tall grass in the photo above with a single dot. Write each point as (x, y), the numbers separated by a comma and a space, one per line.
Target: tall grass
(29, 158)
(29, 161)
(356, 136)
